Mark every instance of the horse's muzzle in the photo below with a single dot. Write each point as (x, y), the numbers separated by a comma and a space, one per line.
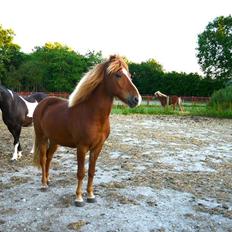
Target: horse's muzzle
(133, 101)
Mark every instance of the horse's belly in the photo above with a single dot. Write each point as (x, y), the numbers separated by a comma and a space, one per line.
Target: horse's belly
(68, 143)
(27, 122)
(62, 138)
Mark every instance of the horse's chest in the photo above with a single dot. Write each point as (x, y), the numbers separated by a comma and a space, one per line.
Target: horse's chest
(30, 107)
(94, 133)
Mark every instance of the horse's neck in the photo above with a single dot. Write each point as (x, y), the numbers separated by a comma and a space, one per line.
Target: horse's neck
(163, 100)
(100, 103)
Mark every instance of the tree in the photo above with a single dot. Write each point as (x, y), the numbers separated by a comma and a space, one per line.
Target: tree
(52, 67)
(61, 67)
(10, 55)
(215, 48)
(146, 75)
(93, 58)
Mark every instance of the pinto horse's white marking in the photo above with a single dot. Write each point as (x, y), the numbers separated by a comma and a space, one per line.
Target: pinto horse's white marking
(125, 72)
(11, 93)
(30, 106)
(19, 154)
(15, 155)
(32, 149)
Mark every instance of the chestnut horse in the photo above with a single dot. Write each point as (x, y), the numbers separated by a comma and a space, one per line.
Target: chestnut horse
(82, 121)
(169, 100)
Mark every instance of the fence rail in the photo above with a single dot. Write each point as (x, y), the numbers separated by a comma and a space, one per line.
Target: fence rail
(149, 99)
(189, 99)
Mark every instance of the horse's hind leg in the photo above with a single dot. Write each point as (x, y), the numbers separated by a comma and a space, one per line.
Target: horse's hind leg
(179, 103)
(181, 108)
(51, 150)
(43, 158)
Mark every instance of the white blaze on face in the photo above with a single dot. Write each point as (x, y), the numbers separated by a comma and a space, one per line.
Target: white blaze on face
(125, 72)
(11, 93)
(30, 106)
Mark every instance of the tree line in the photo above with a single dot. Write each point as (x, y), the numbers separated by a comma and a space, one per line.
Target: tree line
(57, 68)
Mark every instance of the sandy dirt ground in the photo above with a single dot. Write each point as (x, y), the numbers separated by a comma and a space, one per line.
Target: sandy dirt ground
(154, 174)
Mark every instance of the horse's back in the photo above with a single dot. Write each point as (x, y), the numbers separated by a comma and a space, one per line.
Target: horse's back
(174, 100)
(38, 96)
(49, 104)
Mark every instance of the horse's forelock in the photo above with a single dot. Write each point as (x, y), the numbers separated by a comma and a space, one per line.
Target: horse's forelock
(115, 63)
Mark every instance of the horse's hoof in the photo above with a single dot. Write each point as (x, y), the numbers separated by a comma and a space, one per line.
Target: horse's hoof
(19, 154)
(44, 188)
(91, 200)
(79, 203)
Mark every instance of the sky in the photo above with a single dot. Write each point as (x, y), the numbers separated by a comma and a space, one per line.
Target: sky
(164, 30)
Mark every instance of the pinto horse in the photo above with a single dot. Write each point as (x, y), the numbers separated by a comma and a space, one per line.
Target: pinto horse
(82, 121)
(17, 111)
(169, 100)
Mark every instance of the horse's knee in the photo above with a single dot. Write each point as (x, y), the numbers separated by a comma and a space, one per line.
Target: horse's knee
(80, 175)
(91, 173)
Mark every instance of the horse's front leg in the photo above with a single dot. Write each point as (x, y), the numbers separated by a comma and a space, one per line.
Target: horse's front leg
(92, 164)
(80, 175)
(16, 131)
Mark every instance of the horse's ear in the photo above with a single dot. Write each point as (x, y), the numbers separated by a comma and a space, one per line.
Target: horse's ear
(112, 57)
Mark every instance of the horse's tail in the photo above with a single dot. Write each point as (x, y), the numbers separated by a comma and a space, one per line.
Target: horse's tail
(36, 153)
(180, 104)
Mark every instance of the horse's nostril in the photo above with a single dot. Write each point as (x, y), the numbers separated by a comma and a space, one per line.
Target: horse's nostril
(133, 101)
(136, 99)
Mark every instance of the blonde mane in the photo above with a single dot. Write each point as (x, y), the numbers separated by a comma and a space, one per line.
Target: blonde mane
(93, 78)
(160, 94)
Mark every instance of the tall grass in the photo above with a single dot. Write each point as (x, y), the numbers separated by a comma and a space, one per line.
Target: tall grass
(221, 100)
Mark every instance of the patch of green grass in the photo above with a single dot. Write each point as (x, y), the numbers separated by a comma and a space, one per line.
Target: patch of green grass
(189, 110)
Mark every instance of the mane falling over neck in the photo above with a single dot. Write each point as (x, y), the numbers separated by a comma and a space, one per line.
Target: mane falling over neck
(93, 78)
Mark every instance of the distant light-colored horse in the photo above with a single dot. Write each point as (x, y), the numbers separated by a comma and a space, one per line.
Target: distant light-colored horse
(169, 100)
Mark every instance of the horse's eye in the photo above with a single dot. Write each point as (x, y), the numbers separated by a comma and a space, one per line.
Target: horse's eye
(118, 75)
